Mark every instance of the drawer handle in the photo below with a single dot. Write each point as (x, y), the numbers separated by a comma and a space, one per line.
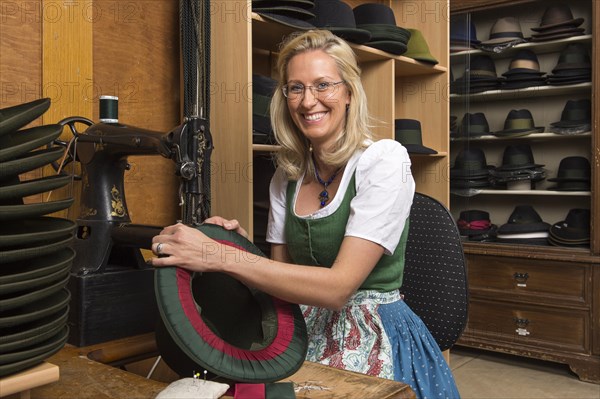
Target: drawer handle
(521, 279)
(521, 322)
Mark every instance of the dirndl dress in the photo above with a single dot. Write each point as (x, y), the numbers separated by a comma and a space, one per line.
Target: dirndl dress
(378, 334)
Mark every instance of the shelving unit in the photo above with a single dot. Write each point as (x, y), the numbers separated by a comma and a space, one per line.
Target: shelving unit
(555, 313)
(396, 87)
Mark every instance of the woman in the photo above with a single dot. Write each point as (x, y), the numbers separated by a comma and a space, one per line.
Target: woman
(339, 201)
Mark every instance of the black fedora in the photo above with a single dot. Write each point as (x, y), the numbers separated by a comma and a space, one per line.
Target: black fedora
(408, 133)
(463, 30)
(518, 122)
(291, 13)
(574, 174)
(557, 15)
(575, 229)
(524, 62)
(380, 21)
(470, 163)
(214, 322)
(574, 114)
(518, 156)
(524, 219)
(474, 125)
(15, 117)
(338, 17)
(573, 56)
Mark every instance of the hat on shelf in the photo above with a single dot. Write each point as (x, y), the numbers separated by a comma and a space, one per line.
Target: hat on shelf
(574, 174)
(474, 125)
(463, 34)
(408, 133)
(524, 71)
(524, 226)
(380, 21)
(517, 156)
(338, 17)
(263, 88)
(573, 66)
(557, 23)
(212, 321)
(292, 13)
(575, 117)
(418, 49)
(574, 231)
(505, 32)
(558, 15)
(470, 169)
(475, 224)
(480, 76)
(519, 122)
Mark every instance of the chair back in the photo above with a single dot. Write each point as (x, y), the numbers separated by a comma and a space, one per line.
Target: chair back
(435, 276)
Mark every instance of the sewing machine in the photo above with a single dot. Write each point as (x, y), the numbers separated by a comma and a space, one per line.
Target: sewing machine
(111, 285)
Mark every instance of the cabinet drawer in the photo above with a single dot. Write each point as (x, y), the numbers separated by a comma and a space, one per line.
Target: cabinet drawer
(530, 325)
(552, 282)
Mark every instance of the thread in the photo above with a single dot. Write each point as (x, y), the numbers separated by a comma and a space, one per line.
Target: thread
(109, 109)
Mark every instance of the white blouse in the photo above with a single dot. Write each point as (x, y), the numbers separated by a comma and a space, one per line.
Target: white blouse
(384, 192)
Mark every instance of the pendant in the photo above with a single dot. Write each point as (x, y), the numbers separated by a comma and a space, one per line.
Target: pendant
(323, 197)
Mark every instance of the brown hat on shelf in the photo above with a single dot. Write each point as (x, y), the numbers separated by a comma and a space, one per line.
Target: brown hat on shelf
(557, 15)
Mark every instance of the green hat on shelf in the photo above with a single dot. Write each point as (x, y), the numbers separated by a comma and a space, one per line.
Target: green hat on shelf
(418, 48)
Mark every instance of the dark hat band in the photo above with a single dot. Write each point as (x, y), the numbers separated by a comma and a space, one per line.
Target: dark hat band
(520, 159)
(583, 174)
(500, 35)
(409, 136)
(474, 225)
(476, 128)
(525, 64)
(483, 72)
(518, 124)
(573, 57)
(576, 114)
(472, 165)
(260, 104)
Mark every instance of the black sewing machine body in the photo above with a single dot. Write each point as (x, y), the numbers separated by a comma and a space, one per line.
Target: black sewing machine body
(111, 285)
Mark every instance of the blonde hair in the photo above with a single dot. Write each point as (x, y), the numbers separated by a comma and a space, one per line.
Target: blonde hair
(294, 155)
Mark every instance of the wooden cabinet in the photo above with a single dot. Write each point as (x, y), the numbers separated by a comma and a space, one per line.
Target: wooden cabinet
(532, 300)
(397, 87)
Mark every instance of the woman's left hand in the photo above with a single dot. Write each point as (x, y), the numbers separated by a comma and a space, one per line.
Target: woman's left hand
(186, 247)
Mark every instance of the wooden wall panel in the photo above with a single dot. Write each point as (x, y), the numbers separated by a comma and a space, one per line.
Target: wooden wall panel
(136, 57)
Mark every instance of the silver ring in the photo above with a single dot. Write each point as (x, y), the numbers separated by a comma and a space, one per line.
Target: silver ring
(159, 248)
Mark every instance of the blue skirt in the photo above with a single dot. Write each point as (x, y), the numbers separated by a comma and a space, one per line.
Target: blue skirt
(378, 334)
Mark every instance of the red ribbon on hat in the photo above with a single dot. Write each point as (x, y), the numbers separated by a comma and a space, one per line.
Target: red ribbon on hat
(474, 225)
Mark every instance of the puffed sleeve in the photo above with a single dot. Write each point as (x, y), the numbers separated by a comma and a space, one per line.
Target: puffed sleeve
(384, 192)
(277, 195)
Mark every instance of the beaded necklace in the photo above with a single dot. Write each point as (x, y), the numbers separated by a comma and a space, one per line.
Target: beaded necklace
(324, 195)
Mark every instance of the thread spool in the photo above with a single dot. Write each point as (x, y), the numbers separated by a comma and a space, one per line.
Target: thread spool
(109, 109)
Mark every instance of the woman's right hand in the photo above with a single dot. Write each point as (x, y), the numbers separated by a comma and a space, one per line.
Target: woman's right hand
(232, 224)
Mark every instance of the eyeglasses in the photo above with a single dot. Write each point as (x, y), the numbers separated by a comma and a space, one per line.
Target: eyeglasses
(295, 91)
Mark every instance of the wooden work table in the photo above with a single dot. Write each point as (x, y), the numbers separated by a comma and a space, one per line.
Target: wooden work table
(84, 378)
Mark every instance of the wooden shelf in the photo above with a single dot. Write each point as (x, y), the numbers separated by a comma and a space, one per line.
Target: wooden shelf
(26, 380)
(529, 92)
(528, 138)
(528, 192)
(537, 47)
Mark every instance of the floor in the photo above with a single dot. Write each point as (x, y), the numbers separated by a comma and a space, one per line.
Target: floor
(489, 375)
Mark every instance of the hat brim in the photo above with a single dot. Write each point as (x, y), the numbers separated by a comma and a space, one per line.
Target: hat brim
(562, 231)
(22, 141)
(419, 149)
(389, 46)
(523, 228)
(14, 118)
(34, 186)
(223, 339)
(503, 40)
(308, 4)
(31, 231)
(515, 132)
(31, 161)
(15, 212)
(358, 36)
(285, 20)
(572, 22)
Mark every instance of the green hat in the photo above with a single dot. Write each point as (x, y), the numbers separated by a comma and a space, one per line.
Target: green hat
(14, 118)
(213, 322)
(418, 48)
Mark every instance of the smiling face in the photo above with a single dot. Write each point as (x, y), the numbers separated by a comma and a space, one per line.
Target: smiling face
(320, 116)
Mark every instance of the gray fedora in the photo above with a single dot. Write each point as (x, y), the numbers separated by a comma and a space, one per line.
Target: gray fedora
(505, 30)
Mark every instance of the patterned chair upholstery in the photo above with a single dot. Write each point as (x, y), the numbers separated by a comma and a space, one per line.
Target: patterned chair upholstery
(435, 276)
